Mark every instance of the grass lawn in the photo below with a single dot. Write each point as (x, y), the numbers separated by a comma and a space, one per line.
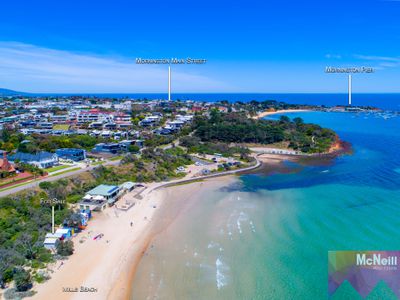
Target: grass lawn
(61, 127)
(56, 168)
(66, 171)
(16, 185)
(3, 183)
(32, 180)
(116, 158)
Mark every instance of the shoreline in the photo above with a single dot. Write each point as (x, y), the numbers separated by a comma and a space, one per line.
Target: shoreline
(109, 265)
(103, 264)
(338, 148)
(181, 199)
(282, 111)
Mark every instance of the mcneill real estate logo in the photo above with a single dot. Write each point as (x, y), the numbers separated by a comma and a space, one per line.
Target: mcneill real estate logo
(363, 270)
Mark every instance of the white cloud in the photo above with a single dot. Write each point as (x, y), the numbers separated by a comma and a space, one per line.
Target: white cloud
(333, 56)
(381, 62)
(378, 58)
(31, 68)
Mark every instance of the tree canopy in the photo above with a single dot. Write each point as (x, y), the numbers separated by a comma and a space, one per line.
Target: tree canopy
(238, 128)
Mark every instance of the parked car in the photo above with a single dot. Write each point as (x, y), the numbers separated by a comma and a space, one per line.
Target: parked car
(180, 169)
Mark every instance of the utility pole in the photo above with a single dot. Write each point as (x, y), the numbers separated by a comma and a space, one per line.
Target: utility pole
(349, 89)
(52, 219)
(169, 83)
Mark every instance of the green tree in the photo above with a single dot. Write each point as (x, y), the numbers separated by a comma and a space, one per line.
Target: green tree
(284, 119)
(65, 248)
(298, 121)
(133, 149)
(74, 220)
(5, 135)
(26, 245)
(8, 259)
(22, 280)
(215, 116)
(127, 159)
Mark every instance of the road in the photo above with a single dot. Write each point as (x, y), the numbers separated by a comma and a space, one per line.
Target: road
(52, 178)
(230, 172)
(110, 163)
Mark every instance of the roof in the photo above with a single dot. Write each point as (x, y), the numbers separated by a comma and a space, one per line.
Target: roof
(127, 185)
(50, 241)
(93, 111)
(63, 230)
(5, 165)
(53, 235)
(120, 114)
(69, 150)
(28, 157)
(103, 190)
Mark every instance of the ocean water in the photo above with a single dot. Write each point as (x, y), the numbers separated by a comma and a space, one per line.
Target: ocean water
(383, 100)
(267, 237)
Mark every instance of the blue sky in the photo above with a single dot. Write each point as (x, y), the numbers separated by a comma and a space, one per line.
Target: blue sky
(251, 46)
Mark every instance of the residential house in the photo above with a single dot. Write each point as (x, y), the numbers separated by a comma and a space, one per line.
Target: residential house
(96, 125)
(41, 160)
(71, 153)
(150, 121)
(93, 115)
(107, 148)
(6, 168)
(60, 118)
(45, 125)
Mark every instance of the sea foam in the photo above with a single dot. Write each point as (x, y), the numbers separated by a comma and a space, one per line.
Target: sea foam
(220, 277)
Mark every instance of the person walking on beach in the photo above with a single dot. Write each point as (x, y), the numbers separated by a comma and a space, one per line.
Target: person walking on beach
(131, 224)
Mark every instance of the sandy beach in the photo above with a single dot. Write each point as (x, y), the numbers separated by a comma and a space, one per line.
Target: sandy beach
(104, 268)
(283, 111)
(276, 159)
(104, 265)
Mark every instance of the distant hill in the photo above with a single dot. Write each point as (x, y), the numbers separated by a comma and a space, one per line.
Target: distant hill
(7, 92)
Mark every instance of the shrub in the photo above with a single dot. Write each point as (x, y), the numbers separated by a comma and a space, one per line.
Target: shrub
(22, 280)
(65, 248)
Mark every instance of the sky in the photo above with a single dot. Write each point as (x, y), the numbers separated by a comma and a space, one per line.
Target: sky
(272, 46)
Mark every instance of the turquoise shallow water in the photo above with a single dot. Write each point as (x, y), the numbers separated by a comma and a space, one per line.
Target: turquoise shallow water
(267, 237)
